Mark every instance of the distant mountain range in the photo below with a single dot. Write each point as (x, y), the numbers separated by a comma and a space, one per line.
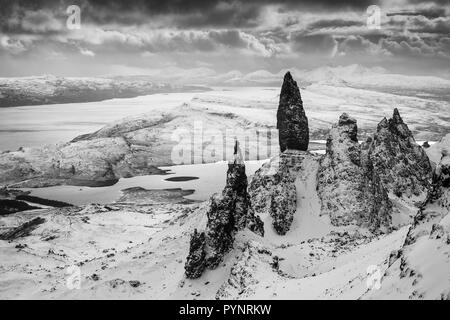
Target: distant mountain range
(49, 89)
(352, 76)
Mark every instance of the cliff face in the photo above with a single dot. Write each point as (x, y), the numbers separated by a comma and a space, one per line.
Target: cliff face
(403, 166)
(350, 191)
(292, 122)
(228, 213)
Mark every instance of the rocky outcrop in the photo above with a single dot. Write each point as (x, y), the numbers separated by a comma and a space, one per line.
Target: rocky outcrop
(23, 230)
(8, 206)
(348, 186)
(195, 262)
(292, 122)
(272, 189)
(403, 165)
(228, 213)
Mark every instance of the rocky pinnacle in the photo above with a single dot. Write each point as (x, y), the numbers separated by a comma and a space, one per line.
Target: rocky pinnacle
(195, 262)
(228, 213)
(292, 122)
(403, 165)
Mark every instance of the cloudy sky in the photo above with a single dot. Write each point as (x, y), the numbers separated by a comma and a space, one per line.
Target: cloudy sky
(217, 36)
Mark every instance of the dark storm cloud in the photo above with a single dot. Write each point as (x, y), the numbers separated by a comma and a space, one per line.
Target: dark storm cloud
(334, 23)
(436, 26)
(193, 13)
(225, 32)
(317, 43)
(434, 12)
(437, 2)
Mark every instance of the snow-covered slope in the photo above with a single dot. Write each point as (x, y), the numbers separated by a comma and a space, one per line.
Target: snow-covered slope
(435, 151)
(137, 251)
(421, 268)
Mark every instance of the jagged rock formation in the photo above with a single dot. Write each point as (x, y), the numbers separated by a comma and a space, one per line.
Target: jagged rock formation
(421, 268)
(195, 262)
(292, 122)
(403, 165)
(272, 189)
(228, 213)
(348, 186)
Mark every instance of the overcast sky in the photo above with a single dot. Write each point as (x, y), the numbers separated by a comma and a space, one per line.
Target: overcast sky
(210, 36)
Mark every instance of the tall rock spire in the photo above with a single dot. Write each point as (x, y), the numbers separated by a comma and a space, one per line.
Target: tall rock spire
(292, 122)
(228, 213)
